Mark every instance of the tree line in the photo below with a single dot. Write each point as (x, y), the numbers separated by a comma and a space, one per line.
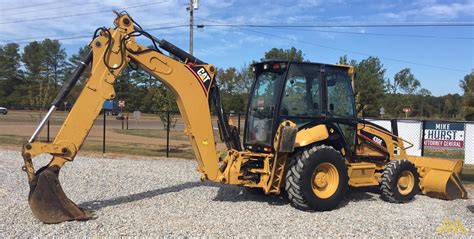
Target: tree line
(31, 79)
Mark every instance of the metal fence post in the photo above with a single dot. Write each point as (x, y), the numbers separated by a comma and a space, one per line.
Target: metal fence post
(167, 133)
(47, 138)
(238, 120)
(103, 135)
(126, 121)
(123, 118)
(423, 123)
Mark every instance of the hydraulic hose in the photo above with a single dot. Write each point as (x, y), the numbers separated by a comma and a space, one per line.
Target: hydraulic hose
(68, 85)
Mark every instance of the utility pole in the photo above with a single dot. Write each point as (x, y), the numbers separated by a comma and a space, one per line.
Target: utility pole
(193, 5)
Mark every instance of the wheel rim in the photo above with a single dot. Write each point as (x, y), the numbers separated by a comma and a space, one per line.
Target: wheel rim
(325, 180)
(406, 182)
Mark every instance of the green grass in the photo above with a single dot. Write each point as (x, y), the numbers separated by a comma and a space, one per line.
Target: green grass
(12, 140)
(467, 174)
(447, 154)
(152, 133)
(178, 151)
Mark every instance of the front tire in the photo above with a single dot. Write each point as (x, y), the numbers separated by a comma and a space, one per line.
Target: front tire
(317, 179)
(400, 181)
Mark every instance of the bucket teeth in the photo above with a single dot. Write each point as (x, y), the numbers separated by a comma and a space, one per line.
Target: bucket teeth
(48, 201)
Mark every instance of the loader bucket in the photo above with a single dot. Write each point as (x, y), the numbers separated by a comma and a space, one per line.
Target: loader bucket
(48, 201)
(439, 178)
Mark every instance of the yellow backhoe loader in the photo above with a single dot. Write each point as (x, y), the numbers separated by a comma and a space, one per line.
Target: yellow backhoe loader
(301, 132)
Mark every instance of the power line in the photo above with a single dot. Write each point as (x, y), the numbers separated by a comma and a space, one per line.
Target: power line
(382, 25)
(382, 34)
(50, 8)
(82, 14)
(68, 36)
(349, 32)
(32, 6)
(71, 37)
(343, 50)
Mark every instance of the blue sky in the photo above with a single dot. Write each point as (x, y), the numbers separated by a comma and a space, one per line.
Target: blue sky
(448, 58)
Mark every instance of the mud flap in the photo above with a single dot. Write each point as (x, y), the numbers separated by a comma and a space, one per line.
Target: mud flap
(48, 201)
(439, 178)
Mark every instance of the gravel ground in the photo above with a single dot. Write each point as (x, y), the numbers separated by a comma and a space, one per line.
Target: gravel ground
(164, 197)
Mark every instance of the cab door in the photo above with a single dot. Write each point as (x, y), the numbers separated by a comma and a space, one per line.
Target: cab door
(340, 103)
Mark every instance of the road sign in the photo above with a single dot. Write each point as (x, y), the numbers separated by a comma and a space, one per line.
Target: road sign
(406, 110)
(444, 135)
(108, 105)
(121, 103)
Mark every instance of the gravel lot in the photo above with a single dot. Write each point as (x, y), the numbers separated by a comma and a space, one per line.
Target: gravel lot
(164, 197)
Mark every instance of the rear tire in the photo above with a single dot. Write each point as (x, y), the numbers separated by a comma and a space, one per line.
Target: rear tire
(317, 179)
(400, 181)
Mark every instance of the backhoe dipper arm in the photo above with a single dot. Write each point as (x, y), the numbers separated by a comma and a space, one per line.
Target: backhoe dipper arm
(112, 50)
(191, 86)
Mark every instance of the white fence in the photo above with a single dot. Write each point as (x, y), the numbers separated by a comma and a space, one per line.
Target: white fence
(412, 131)
(469, 144)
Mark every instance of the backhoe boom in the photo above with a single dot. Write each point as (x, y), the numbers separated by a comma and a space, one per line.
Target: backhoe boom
(192, 82)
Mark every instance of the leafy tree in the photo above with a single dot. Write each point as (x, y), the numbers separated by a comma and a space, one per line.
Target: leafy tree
(343, 60)
(467, 84)
(163, 101)
(39, 88)
(230, 79)
(55, 61)
(11, 77)
(247, 79)
(405, 81)
(369, 86)
(291, 54)
(70, 66)
(33, 60)
(74, 61)
(423, 92)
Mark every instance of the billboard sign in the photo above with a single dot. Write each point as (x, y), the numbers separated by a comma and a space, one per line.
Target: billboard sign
(444, 135)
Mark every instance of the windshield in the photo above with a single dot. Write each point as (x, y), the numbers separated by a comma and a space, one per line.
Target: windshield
(262, 107)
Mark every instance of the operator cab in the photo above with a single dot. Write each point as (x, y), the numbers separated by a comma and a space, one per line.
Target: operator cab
(302, 92)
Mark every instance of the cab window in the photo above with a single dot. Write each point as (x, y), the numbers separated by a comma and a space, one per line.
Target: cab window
(302, 96)
(340, 97)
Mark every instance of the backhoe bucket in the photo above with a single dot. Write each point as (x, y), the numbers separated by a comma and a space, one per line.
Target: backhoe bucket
(48, 201)
(439, 178)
